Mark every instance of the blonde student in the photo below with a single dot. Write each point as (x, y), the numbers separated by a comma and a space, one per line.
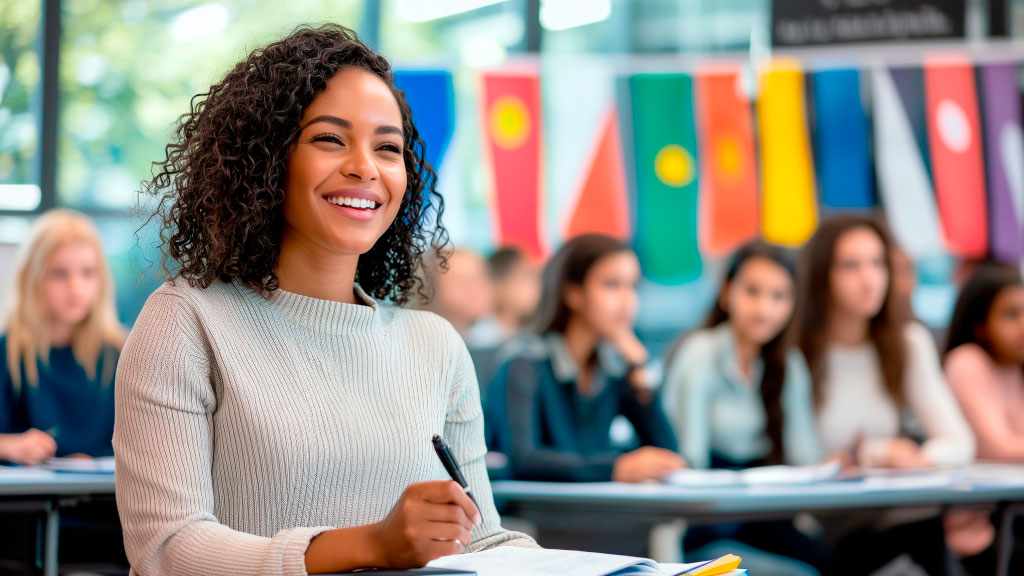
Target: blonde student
(60, 345)
(275, 407)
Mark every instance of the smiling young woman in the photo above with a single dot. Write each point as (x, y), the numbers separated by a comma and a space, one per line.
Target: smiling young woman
(274, 414)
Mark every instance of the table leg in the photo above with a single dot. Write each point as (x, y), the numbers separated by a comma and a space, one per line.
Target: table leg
(1005, 539)
(666, 541)
(51, 539)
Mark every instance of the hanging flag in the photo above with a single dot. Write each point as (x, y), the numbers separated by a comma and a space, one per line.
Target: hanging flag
(728, 162)
(789, 213)
(1005, 159)
(431, 96)
(843, 151)
(665, 151)
(954, 138)
(512, 128)
(602, 205)
(909, 83)
(906, 191)
(584, 163)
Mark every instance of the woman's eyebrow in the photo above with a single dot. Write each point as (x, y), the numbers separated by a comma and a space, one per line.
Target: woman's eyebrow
(341, 122)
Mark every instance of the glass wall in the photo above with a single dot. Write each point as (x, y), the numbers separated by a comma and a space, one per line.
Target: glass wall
(128, 69)
(20, 24)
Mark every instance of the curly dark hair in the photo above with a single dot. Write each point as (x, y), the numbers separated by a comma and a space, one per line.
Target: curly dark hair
(221, 185)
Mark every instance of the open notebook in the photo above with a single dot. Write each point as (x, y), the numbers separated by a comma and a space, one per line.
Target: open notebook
(512, 561)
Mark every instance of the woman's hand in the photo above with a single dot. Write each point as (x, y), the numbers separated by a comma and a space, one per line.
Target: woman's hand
(646, 463)
(30, 447)
(904, 453)
(430, 520)
(630, 348)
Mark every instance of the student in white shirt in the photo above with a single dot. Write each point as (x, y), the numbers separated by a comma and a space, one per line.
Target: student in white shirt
(872, 371)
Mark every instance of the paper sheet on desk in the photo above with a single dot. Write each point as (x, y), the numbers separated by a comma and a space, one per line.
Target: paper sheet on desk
(104, 465)
(887, 480)
(993, 474)
(21, 473)
(513, 561)
(762, 476)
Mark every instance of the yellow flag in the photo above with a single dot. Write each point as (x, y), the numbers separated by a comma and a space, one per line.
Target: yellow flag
(789, 211)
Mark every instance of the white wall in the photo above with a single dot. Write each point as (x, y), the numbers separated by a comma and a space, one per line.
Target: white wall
(7, 252)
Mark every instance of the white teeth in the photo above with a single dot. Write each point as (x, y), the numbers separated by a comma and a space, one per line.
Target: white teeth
(353, 202)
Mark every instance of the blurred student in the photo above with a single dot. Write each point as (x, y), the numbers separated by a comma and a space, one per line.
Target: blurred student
(554, 401)
(460, 292)
(870, 367)
(60, 345)
(59, 348)
(739, 396)
(515, 280)
(984, 360)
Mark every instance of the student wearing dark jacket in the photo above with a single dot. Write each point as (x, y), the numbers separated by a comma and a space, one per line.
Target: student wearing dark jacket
(553, 401)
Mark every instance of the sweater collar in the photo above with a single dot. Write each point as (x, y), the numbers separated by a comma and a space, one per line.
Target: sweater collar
(728, 360)
(328, 316)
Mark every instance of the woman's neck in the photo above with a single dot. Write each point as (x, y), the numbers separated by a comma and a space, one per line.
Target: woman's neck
(747, 352)
(581, 342)
(60, 334)
(308, 269)
(847, 329)
(508, 320)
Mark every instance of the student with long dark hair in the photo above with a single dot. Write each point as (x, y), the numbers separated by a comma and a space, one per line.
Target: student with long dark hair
(740, 396)
(553, 402)
(984, 361)
(274, 411)
(870, 369)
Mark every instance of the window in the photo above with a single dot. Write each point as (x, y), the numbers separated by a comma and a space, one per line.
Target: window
(129, 68)
(19, 105)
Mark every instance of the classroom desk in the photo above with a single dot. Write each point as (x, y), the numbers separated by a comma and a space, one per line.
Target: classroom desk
(47, 492)
(665, 511)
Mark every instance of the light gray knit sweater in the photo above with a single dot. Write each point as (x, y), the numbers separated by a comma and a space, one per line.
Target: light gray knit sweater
(247, 426)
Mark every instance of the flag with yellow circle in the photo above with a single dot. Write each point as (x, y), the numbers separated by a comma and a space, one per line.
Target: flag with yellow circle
(512, 128)
(729, 204)
(666, 176)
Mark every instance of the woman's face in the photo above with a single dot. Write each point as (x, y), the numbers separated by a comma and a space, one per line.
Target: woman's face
(346, 174)
(519, 292)
(760, 300)
(71, 282)
(607, 300)
(1004, 326)
(860, 273)
(465, 290)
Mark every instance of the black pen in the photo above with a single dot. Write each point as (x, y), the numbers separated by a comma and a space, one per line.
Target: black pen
(449, 463)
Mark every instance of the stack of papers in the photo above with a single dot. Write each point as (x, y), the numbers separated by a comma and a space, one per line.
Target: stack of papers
(763, 476)
(80, 465)
(513, 561)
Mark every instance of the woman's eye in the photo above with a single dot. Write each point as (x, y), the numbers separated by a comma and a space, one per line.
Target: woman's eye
(329, 138)
(391, 148)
